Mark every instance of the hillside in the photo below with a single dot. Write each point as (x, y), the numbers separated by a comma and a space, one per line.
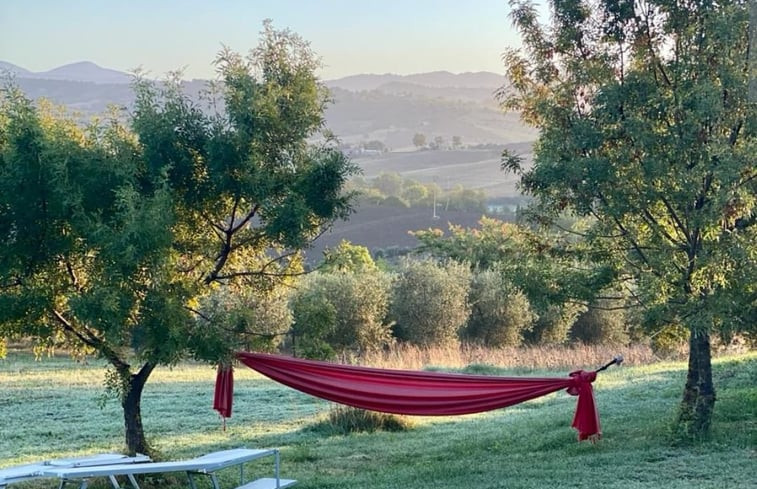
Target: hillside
(382, 228)
(83, 71)
(477, 169)
(387, 108)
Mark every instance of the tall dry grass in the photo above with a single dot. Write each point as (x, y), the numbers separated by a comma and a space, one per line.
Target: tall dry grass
(410, 357)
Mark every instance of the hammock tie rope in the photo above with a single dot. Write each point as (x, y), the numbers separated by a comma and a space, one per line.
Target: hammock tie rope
(413, 392)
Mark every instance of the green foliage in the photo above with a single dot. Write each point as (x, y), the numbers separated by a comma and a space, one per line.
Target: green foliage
(415, 193)
(393, 190)
(241, 318)
(348, 310)
(655, 144)
(464, 199)
(388, 184)
(430, 301)
(494, 242)
(343, 420)
(553, 323)
(499, 311)
(603, 322)
(669, 340)
(538, 264)
(314, 323)
(647, 127)
(393, 201)
(347, 257)
(112, 235)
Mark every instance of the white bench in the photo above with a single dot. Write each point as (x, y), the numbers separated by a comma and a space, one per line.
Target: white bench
(21, 473)
(207, 465)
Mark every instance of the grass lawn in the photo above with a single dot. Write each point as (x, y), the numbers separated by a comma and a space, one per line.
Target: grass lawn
(52, 409)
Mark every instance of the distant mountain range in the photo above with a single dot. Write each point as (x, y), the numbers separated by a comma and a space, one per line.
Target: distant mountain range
(87, 71)
(390, 108)
(480, 79)
(83, 71)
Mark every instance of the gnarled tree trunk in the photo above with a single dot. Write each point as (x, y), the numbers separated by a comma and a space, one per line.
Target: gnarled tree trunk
(695, 416)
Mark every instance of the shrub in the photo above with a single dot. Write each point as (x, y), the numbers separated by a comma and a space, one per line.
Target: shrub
(234, 318)
(347, 257)
(314, 322)
(670, 340)
(430, 301)
(553, 324)
(394, 201)
(343, 420)
(600, 324)
(348, 310)
(499, 311)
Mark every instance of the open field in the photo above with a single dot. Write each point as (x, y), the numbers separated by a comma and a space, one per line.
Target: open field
(49, 409)
(382, 227)
(471, 168)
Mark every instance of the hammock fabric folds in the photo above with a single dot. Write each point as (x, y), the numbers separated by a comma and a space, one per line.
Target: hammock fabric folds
(412, 392)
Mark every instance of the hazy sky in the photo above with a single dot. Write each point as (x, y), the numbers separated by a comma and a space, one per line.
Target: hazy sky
(351, 36)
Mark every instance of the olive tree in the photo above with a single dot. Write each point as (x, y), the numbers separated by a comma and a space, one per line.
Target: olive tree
(430, 301)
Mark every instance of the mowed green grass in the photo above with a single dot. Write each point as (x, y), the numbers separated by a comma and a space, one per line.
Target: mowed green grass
(50, 409)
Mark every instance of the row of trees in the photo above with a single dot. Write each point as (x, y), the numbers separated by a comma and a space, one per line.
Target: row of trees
(503, 300)
(394, 190)
(351, 305)
(438, 142)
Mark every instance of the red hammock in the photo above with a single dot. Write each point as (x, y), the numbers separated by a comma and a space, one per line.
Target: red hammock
(412, 392)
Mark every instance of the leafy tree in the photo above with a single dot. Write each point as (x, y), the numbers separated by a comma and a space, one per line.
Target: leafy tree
(499, 311)
(394, 201)
(646, 127)
(234, 317)
(457, 142)
(359, 301)
(602, 322)
(483, 248)
(553, 323)
(466, 199)
(347, 257)
(430, 301)
(415, 193)
(419, 140)
(375, 145)
(112, 237)
(314, 322)
(389, 184)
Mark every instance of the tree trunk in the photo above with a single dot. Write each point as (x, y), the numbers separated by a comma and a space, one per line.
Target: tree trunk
(695, 416)
(132, 397)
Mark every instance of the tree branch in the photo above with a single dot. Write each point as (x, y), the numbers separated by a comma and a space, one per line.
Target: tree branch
(674, 215)
(198, 313)
(92, 341)
(246, 219)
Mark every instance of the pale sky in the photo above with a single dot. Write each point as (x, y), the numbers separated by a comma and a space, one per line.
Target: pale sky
(351, 36)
